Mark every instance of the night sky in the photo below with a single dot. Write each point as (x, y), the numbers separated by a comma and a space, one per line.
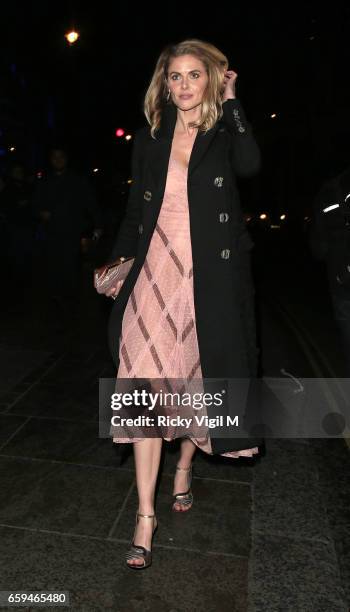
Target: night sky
(291, 59)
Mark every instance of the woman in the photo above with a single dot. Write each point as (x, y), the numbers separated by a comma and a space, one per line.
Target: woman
(182, 310)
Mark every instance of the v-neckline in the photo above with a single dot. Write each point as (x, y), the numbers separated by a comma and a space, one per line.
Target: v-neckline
(185, 168)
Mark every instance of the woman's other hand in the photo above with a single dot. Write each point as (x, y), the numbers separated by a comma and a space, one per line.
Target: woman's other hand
(113, 291)
(230, 78)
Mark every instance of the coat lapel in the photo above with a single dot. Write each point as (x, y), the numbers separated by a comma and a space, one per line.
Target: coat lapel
(200, 147)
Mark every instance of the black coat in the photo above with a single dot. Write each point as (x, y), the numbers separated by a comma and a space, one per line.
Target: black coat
(223, 290)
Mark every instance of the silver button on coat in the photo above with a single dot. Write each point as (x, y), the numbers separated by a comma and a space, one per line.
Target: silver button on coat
(147, 195)
(218, 181)
(225, 253)
(140, 228)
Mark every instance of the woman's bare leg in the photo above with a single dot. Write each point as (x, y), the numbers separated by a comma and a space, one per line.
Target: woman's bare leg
(188, 448)
(147, 455)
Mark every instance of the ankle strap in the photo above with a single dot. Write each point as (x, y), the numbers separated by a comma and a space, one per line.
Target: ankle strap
(185, 469)
(145, 515)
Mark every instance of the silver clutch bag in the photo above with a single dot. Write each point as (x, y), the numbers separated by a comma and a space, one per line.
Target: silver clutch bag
(107, 276)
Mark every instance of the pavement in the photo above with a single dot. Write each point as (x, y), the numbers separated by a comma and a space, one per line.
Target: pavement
(264, 534)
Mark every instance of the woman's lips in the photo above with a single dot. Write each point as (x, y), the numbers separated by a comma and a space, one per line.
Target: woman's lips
(186, 96)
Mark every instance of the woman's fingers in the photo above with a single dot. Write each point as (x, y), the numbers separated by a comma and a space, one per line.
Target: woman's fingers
(229, 74)
(113, 290)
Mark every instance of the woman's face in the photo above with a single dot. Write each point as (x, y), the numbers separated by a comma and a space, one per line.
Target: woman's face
(187, 81)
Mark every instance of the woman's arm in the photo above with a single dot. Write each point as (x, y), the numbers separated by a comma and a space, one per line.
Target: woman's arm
(245, 153)
(126, 242)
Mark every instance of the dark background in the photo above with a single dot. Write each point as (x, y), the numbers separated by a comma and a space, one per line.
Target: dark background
(67, 498)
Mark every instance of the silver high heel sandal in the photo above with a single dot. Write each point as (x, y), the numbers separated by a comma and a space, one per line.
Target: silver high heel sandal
(140, 552)
(185, 499)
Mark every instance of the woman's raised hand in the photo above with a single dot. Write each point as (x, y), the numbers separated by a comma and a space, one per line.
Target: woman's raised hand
(230, 78)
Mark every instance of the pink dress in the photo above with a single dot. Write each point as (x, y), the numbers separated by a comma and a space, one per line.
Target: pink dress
(158, 336)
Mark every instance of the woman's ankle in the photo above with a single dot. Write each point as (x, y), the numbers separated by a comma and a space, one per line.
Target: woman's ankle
(148, 510)
(183, 464)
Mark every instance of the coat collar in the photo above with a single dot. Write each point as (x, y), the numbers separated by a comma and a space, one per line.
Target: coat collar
(166, 132)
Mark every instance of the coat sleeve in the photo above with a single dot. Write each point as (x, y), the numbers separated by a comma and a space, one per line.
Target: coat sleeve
(245, 153)
(126, 241)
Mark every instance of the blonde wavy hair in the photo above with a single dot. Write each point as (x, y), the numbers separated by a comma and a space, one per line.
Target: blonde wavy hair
(215, 63)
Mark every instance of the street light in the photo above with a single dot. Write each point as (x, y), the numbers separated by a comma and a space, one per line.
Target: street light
(72, 37)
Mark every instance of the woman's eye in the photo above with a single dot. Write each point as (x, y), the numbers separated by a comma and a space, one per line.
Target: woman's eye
(177, 76)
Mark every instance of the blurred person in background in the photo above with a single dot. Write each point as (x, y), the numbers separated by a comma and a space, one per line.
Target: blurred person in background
(18, 224)
(66, 206)
(329, 240)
